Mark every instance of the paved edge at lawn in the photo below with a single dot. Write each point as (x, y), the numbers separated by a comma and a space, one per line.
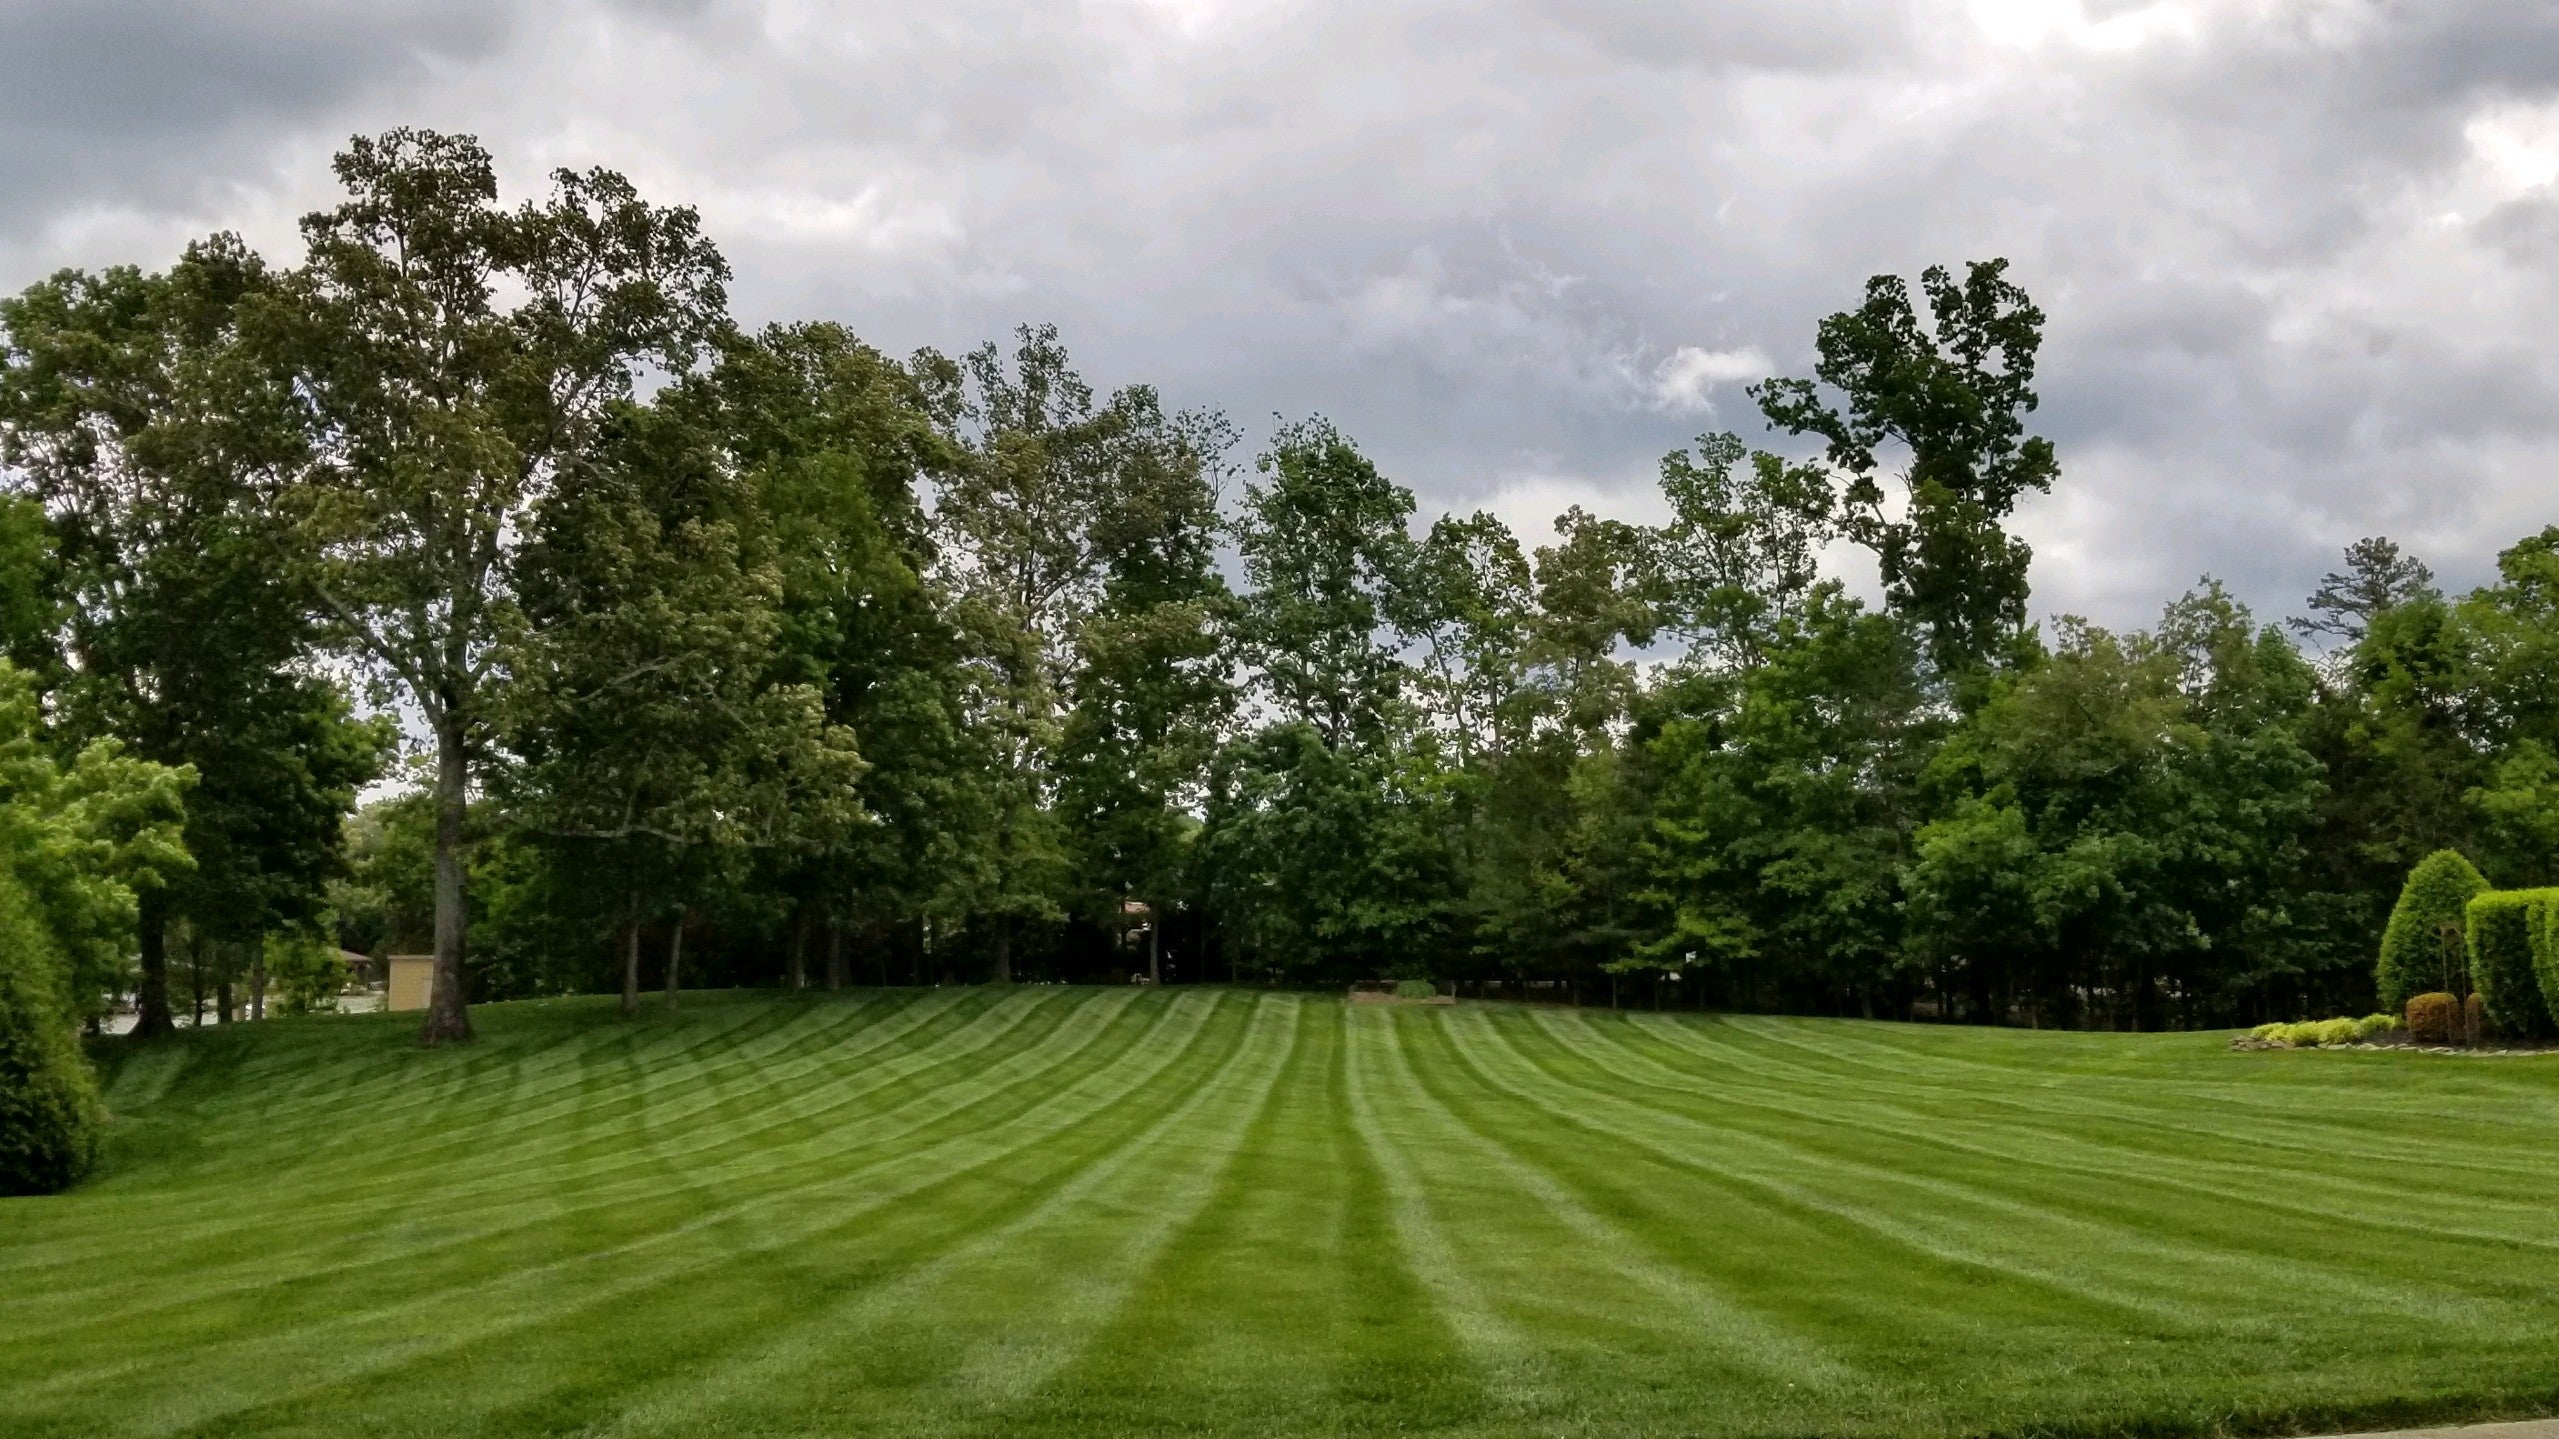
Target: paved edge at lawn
(2509, 1430)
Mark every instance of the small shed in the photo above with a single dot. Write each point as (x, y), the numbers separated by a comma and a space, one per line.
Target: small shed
(412, 981)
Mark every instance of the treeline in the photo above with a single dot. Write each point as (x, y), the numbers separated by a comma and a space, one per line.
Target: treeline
(761, 657)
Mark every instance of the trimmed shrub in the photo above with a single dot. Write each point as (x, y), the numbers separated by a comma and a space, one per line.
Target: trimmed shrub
(2434, 899)
(48, 1099)
(2430, 1017)
(2312, 1033)
(2503, 926)
(1415, 989)
(2545, 958)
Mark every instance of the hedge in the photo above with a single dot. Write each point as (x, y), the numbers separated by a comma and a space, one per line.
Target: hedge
(2509, 934)
(48, 1099)
(2545, 959)
(2437, 893)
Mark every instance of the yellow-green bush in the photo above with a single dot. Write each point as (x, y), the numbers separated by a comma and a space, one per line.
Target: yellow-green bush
(2506, 927)
(2313, 1033)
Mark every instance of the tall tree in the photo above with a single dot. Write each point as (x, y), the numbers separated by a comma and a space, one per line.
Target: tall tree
(641, 696)
(1328, 557)
(1742, 549)
(1467, 599)
(452, 358)
(2377, 576)
(1951, 396)
(1055, 496)
(834, 436)
(134, 413)
(1151, 692)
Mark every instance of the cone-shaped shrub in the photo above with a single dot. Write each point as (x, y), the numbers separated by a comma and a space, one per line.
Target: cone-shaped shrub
(48, 1099)
(2437, 893)
(2504, 924)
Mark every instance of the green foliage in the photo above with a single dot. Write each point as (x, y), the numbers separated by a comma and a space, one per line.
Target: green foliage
(306, 975)
(2131, 810)
(1323, 861)
(2425, 940)
(1415, 989)
(694, 655)
(1740, 553)
(447, 360)
(49, 1113)
(2544, 936)
(2506, 927)
(82, 837)
(1955, 394)
(1782, 816)
(1325, 550)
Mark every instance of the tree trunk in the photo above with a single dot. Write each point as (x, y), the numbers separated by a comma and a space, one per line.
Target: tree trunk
(675, 960)
(1154, 948)
(799, 975)
(195, 978)
(838, 973)
(152, 1017)
(447, 1017)
(631, 957)
(1004, 950)
(222, 1005)
(258, 978)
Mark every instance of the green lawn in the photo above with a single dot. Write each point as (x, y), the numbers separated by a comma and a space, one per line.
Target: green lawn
(1099, 1212)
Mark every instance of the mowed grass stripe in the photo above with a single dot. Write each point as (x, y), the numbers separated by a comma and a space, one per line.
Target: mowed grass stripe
(681, 1211)
(2047, 1158)
(948, 1340)
(452, 1207)
(2019, 1184)
(387, 1168)
(731, 1299)
(1944, 1239)
(2254, 1104)
(1653, 1273)
(1051, 1212)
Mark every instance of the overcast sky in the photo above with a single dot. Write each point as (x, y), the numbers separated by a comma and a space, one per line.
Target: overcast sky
(2298, 257)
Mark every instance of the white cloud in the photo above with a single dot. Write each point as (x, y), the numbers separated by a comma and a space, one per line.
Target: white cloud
(1688, 378)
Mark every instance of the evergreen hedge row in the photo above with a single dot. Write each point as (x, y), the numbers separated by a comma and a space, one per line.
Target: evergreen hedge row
(2510, 936)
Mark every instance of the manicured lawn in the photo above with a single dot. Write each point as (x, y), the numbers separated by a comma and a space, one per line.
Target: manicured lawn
(1103, 1212)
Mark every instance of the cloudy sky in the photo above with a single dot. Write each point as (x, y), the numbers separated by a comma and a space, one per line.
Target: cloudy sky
(2298, 254)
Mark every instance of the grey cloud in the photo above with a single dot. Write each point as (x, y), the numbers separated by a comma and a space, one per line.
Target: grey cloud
(146, 103)
(1805, 35)
(2284, 314)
